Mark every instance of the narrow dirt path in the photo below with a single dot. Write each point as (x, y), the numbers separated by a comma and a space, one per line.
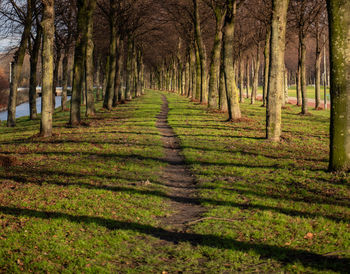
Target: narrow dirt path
(176, 176)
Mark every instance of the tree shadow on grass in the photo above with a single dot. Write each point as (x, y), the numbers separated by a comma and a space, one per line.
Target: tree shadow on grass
(157, 193)
(282, 254)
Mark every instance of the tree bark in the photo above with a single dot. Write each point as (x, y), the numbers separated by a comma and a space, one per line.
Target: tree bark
(241, 80)
(247, 71)
(234, 111)
(339, 26)
(34, 56)
(66, 73)
(318, 69)
(17, 66)
(303, 84)
(222, 88)
(48, 29)
(57, 61)
(128, 95)
(108, 100)
(215, 59)
(275, 87)
(85, 11)
(256, 75)
(267, 64)
(202, 55)
(89, 66)
(117, 77)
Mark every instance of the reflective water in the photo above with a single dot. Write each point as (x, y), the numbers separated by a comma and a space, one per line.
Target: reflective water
(23, 109)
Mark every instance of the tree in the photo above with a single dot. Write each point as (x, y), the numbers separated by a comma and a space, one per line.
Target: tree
(213, 93)
(231, 89)
(85, 12)
(339, 26)
(26, 19)
(48, 29)
(276, 75)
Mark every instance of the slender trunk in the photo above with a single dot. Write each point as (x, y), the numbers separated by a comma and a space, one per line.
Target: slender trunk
(267, 64)
(108, 100)
(47, 67)
(275, 88)
(128, 89)
(89, 72)
(105, 76)
(17, 64)
(55, 77)
(222, 89)
(230, 84)
(285, 84)
(197, 93)
(241, 80)
(121, 94)
(318, 69)
(202, 55)
(33, 73)
(298, 86)
(304, 108)
(193, 73)
(65, 80)
(247, 71)
(85, 11)
(117, 77)
(339, 26)
(215, 60)
(98, 77)
(256, 75)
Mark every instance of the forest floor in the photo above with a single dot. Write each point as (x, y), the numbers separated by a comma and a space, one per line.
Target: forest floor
(162, 185)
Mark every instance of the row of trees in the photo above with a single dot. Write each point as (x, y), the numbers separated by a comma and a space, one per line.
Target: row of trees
(94, 43)
(220, 84)
(209, 50)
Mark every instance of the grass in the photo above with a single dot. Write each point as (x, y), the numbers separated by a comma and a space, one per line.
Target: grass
(78, 202)
(310, 92)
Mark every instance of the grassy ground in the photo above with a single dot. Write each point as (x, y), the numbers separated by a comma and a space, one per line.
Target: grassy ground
(89, 199)
(310, 92)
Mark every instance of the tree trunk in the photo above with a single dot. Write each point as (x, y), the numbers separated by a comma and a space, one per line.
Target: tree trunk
(298, 86)
(285, 85)
(339, 26)
(117, 77)
(222, 87)
(85, 11)
(275, 90)
(65, 80)
(89, 69)
(48, 29)
(128, 89)
(34, 56)
(247, 71)
(241, 80)
(202, 55)
(17, 66)
(267, 64)
(108, 100)
(197, 93)
(57, 61)
(121, 94)
(230, 84)
(256, 75)
(318, 69)
(215, 60)
(303, 85)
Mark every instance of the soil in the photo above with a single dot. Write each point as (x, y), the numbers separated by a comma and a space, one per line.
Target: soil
(177, 177)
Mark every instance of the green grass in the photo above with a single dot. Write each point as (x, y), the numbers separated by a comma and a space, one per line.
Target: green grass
(77, 202)
(310, 92)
